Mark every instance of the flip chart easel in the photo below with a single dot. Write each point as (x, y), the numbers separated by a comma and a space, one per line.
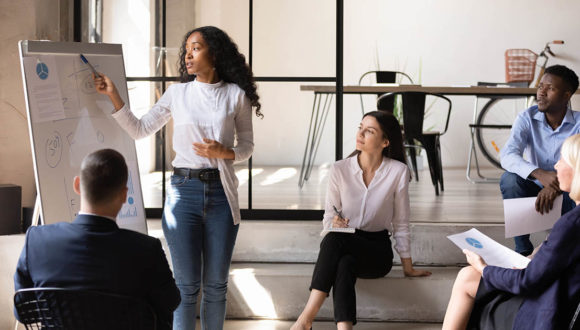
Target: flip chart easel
(68, 119)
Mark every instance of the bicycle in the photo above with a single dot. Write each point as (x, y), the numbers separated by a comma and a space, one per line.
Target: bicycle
(493, 124)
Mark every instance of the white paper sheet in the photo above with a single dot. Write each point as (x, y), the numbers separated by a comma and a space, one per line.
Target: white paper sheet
(44, 90)
(522, 218)
(491, 251)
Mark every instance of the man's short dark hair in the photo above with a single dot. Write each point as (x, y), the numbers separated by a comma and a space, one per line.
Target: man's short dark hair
(568, 76)
(103, 174)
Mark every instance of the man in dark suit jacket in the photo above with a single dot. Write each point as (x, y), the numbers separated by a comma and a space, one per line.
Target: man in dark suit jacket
(92, 252)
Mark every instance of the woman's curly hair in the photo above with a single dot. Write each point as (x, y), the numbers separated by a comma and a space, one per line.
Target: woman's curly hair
(229, 63)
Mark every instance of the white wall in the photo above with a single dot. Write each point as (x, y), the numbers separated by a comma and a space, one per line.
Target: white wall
(19, 21)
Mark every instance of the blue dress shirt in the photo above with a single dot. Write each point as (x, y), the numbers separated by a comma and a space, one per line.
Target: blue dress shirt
(531, 134)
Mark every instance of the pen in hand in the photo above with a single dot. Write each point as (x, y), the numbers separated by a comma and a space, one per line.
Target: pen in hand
(344, 221)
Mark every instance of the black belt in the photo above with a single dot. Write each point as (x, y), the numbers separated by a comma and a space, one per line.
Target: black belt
(203, 174)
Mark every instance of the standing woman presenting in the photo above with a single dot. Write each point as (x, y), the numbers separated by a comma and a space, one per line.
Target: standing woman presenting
(369, 192)
(211, 107)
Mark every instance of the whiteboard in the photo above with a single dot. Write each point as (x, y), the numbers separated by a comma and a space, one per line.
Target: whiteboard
(68, 119)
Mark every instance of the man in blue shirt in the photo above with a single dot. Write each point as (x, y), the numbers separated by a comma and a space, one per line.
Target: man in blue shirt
(539, 132)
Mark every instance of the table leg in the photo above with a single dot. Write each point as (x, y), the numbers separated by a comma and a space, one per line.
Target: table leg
(315, 130)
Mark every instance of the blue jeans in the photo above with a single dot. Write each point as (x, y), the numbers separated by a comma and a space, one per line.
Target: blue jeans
(514, 186)
(200, 232)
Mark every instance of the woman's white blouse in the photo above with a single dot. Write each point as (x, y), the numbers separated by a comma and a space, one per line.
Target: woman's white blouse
(220, 112)
(383, 205)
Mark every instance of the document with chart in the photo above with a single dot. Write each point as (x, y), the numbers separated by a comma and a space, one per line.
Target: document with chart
(491, 251)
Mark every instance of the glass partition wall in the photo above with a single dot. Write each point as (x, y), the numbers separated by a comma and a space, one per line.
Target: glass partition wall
(284, 53)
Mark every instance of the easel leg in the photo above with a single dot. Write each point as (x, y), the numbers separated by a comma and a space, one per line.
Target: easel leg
(36, 213)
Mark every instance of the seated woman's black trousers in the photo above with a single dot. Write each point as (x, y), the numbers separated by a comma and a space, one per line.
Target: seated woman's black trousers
(345, 257)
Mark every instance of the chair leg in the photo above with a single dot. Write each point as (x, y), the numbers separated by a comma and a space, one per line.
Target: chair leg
(440, 165)
(431, 149)
(413, 156)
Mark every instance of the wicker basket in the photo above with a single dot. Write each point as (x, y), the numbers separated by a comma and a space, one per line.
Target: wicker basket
(520, 65)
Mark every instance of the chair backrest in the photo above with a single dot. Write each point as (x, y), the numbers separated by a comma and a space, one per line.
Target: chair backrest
(68, 309)
(414, 110)
(385, 77)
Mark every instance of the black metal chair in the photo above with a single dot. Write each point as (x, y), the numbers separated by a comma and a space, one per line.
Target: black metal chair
(383, 77)
(413, 118)
(71, 309)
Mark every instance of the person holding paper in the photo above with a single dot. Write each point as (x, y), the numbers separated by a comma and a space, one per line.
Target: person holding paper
(539, 132)
(546, 293)
(367, 191)
(212, 113)
(92, 252)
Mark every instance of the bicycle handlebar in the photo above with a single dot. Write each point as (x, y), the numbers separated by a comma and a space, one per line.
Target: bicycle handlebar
(548, 50)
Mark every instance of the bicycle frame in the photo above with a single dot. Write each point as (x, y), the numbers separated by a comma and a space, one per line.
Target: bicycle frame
(545, 56)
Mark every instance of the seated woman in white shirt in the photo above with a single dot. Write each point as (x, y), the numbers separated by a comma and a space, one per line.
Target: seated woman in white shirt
(370, 190)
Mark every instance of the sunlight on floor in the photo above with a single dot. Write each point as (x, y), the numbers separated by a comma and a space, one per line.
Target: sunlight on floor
(280, 175)
(255, 295)
(323, 171)
(243, 174)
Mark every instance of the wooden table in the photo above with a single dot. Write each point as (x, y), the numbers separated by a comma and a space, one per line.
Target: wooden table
(445, 90)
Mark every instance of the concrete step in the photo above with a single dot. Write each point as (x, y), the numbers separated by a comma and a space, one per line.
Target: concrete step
(299, 241)
(280, 291)
(324, 325)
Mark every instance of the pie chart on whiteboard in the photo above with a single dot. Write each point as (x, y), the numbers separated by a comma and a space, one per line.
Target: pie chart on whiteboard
(42, 70)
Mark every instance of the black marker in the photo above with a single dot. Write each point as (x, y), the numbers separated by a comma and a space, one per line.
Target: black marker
(83, 58)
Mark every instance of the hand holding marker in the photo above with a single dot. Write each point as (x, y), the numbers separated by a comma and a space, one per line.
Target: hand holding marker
(104, 85)
(84, 59)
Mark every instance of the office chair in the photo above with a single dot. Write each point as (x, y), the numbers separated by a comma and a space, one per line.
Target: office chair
(73, 309)
(383, 77)
(413, 118)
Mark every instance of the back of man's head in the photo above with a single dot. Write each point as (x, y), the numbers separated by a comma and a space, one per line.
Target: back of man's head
(568, 76)
(103, 176)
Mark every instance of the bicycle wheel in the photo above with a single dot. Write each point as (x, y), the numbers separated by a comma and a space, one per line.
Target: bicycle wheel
(493, 125)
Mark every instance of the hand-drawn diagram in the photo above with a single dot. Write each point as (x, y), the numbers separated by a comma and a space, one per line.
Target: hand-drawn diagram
(100, 136)
(127, 212)
(131, 189)
(87, 85)
(71, 200)
(129, 209)
(53, 149)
